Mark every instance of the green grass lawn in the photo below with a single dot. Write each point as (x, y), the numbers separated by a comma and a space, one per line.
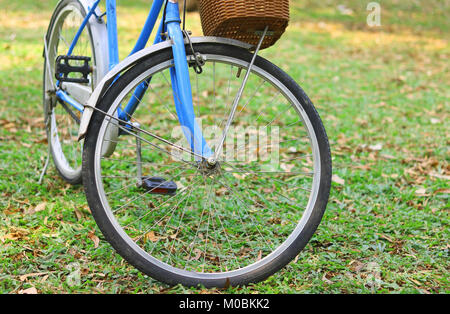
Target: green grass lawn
(383, 94)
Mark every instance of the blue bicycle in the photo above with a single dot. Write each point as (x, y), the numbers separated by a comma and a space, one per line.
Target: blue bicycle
(202, 162)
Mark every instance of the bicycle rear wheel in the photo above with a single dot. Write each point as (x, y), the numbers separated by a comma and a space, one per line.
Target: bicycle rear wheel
(62, 120)
(182, 220)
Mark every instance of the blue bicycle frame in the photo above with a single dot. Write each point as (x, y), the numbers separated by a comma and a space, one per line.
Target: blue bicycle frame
(179, 74)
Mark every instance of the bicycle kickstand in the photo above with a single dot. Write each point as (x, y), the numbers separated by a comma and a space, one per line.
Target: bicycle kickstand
(44, 170)
(47, 161)
(138, 155)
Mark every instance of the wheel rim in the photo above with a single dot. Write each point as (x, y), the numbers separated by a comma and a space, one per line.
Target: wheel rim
(62, 128)
(204, 264)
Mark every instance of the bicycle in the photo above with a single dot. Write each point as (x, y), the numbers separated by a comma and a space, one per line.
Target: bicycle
(202, 162)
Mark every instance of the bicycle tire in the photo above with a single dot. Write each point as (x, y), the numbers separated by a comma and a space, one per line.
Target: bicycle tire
(121, 242)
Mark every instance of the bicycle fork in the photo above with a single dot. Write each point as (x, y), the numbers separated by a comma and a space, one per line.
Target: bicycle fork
(181, 84)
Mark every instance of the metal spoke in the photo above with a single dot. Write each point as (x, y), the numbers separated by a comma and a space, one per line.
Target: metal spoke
(207, 228)
(146, 193)
(237, 198)
(148, 133)
(154, 209)
(226, 234)
(172, 211)
(178, 228)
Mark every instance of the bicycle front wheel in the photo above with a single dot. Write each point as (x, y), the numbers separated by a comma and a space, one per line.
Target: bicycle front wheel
(181, 219)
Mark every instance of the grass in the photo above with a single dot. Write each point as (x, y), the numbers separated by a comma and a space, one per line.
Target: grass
(383, 94)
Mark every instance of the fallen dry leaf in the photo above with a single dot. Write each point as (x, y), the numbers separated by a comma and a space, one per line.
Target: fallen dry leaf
(435, 121)
(362, 167)
(439, 176)
(26, 276)
(31, 290)
(387, 156)
(376, 147)
(259, 256)
(336, 179)
(87, 209)
(40, 207)
(385, 237)
(94, 238)
(36, 209)
(151, 237)
(325, 279)
(287, 167)
(421, 192)
(221, 191)
(356, 266)
(415, 281)
(197, 256)
(15, 234)
(442, 191)
(78, 214)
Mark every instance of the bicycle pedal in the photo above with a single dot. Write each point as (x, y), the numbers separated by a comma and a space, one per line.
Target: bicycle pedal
(64, 68)
(156, 185)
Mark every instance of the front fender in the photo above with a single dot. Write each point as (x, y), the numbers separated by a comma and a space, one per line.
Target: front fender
(132, 60)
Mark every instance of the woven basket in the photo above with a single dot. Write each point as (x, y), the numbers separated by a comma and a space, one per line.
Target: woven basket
(245, 20)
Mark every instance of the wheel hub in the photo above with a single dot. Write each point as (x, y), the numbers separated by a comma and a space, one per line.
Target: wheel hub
(209, 167)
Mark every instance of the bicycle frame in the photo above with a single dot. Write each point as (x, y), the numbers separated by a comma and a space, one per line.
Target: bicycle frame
(181, 84)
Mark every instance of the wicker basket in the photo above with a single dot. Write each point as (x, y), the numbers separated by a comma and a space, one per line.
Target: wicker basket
(245, 20)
